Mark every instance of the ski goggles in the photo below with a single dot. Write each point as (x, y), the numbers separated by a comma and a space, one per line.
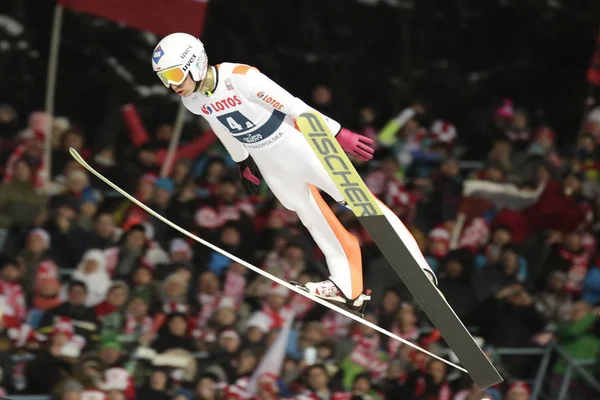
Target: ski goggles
(171, 76)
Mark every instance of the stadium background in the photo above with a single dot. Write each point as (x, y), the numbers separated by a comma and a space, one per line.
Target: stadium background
(363, 63)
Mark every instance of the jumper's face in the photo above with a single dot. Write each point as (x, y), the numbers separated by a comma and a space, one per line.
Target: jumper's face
(185, 88)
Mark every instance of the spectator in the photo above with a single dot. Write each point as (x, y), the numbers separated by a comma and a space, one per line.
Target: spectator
(92, 271)
(37, 249)
(54, 361)
(69, 241)
(105, 234)
(157, 386)
(430, 383)
(554, 302)
(457, 282)
(110, 311)
(509, 319)
(578, 339)
(46, 292)
(74, 309)
(21, 206)
(173, 334)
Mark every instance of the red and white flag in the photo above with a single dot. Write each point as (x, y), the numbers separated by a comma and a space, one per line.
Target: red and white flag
(161, 17)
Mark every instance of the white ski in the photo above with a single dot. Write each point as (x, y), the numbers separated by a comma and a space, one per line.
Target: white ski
(253, 268)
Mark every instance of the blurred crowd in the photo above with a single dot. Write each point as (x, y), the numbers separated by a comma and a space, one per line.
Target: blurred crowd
(99, 300)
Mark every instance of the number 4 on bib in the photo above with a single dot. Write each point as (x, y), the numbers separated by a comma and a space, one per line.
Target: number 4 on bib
(235, 122)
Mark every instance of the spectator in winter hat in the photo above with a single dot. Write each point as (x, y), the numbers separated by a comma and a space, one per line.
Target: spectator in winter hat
(47, 287)
(180, 255)
(229, 343)
(20, 203)
(92, 270)
(274, 306)
(74, 308)
(225, 316)
(32, 150)
(437, 246)
(88, 207)
(36, 250)
(518, 391)
(180, 251)
(110, 311)
(110, 350)
(50, 365)
(164, 189)
(256, 328)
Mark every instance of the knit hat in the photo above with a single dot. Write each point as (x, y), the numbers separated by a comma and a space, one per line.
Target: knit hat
(260, 321)
(165, 184)
(178, 245)
(519, 386)
(507, 110)
(229, 334)
(112, 342)
(90, 195)
(42, 234)
(277, 290)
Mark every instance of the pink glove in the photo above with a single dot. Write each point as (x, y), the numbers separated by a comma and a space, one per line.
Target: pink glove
(357, 145)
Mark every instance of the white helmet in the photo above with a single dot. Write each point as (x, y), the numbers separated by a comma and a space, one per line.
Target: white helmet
(178, 54)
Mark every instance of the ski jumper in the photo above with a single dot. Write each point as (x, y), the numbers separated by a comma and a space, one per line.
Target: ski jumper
(254, 116)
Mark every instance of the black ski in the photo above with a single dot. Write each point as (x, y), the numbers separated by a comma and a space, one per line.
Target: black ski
(364, 205)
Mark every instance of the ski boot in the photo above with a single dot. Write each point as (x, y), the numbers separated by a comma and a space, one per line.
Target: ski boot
(328, 291)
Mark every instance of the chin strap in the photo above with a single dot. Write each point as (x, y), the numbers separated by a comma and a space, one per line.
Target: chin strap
(209, 81)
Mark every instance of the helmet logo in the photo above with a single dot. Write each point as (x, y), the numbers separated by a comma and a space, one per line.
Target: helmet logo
(185, 52)
(158, 53)
(189, 62)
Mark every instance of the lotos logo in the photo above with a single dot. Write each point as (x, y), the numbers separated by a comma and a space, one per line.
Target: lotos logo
(221, 105)
(269, 100)
(190, 61)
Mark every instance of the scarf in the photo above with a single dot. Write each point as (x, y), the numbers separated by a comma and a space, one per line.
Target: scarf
(394, 345)
(578, 270)
(208, 305)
